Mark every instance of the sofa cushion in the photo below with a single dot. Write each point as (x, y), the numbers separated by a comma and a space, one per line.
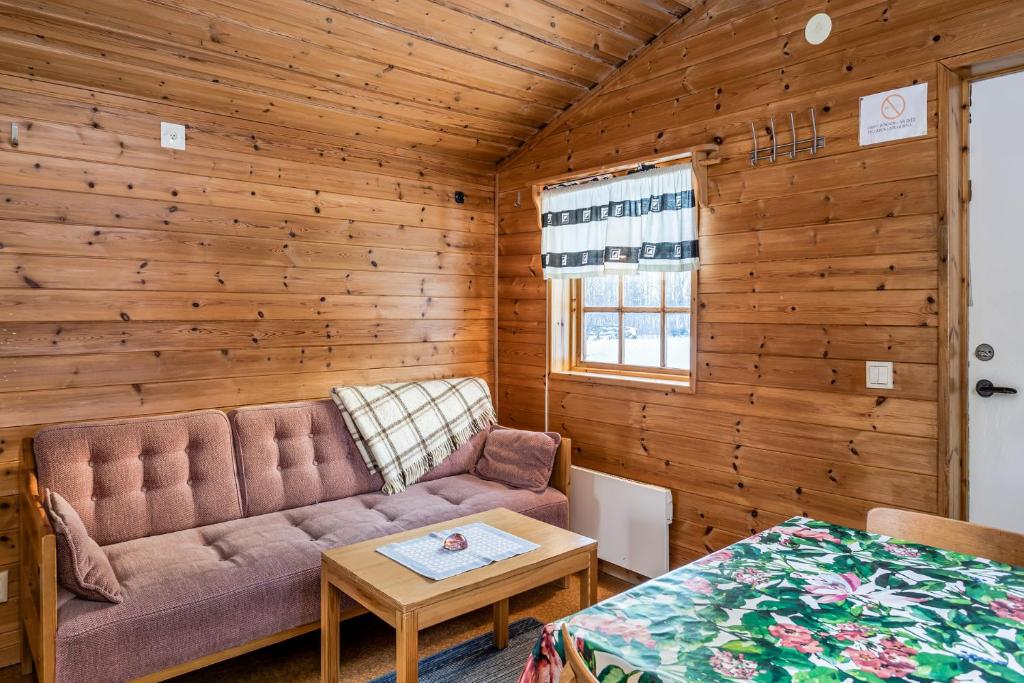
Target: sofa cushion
(295, 454)
(518, 458)
(82, 568)
(461, 460)
(144, 476)
(195, 592)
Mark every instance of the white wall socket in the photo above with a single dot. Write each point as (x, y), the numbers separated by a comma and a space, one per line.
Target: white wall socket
(172, 135)
(879, 374)
(3, 585)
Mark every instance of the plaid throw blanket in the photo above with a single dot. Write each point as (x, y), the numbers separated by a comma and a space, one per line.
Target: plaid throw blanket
(404, 430)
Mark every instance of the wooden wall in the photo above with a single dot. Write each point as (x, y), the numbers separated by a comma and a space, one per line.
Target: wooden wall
(308, 236)
(267, 262)
(809, 267)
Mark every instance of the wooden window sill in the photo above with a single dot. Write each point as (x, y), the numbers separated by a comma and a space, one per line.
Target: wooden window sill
(635, 382)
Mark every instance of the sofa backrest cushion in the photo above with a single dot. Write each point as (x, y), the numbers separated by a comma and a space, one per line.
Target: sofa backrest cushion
(296, 454)
(461, 461)
(142, 477)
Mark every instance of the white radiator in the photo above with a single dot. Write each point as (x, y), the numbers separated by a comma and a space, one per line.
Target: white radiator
(628, 519)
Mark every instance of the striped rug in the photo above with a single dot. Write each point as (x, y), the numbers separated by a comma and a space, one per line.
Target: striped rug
(477, 660)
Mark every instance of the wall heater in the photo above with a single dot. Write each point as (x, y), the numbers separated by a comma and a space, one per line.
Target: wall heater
(628, 519)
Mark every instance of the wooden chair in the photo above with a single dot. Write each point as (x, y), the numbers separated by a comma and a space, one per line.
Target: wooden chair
(581, 674)
(949, 534)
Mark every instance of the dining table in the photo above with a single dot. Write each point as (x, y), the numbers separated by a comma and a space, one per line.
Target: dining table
(804, 601)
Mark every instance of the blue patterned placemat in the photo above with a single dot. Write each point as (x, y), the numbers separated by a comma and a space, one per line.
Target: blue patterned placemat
(425, 555)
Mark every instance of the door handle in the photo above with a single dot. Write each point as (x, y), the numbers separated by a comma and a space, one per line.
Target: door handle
(986, 389)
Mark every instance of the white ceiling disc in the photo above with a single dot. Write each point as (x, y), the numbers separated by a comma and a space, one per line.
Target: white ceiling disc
(818, 29)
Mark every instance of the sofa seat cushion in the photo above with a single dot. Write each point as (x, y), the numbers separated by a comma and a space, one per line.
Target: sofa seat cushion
(198, 591)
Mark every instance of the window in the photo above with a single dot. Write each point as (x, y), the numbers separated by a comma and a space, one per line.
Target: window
(637, 324)
(620, 254)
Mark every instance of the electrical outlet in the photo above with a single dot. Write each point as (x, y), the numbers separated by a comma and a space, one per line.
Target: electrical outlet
(172, 135)
(3, 586)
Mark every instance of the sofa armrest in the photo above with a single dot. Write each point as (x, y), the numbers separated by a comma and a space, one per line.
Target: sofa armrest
(38, 597)
(560, 478)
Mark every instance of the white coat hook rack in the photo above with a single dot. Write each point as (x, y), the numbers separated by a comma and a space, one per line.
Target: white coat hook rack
(770, 153)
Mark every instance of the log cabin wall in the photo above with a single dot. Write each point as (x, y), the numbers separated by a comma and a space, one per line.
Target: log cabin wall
(809, 267)
(308, 236)
(291, 247)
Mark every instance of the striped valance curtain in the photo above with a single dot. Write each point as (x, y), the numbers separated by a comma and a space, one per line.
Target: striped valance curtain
(639, 222)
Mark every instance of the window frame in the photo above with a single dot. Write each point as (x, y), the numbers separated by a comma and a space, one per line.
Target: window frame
(580, 308)
(577, 308)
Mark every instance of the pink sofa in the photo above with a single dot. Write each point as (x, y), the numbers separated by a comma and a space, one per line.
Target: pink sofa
(214, 525)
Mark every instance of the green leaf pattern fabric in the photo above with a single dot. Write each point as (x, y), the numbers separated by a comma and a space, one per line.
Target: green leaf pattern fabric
(805, 601)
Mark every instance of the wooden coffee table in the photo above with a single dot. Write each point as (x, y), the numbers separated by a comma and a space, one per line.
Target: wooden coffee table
(411, 602)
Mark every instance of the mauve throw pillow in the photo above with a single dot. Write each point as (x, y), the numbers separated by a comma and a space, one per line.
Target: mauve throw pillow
(82, 566)
(519, 458)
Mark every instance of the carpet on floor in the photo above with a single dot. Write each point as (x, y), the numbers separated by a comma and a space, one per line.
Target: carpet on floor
(478, 661)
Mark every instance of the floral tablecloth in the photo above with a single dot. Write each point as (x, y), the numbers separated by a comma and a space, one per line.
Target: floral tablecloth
(806, 601)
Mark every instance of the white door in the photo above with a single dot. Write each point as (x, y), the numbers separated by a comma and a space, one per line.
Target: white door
(996, 422)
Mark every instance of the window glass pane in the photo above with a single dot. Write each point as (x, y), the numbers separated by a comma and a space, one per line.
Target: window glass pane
(642, 339)
(677, 289)
(601, 337)
(642, 289)
(678, 343)
(601, 291)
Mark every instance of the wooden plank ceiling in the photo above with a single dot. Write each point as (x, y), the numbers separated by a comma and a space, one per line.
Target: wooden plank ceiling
(471, 79)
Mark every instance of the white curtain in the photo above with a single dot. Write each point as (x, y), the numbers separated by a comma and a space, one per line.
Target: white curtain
(642, 221)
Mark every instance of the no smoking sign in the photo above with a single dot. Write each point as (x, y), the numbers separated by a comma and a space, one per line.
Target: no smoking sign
(893, 106)
(894, 115)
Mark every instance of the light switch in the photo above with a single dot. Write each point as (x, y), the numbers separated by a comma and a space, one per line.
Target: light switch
(879, 374)
(172, 135)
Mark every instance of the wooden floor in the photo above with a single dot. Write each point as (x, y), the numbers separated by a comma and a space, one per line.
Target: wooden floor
(367, 647)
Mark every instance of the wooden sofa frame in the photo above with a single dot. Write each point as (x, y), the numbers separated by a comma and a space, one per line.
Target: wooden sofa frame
(38, 592)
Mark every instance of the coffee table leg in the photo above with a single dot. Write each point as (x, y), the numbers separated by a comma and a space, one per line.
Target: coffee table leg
(588, 583)
(330, 618)
(501, 624)
(406, 652)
